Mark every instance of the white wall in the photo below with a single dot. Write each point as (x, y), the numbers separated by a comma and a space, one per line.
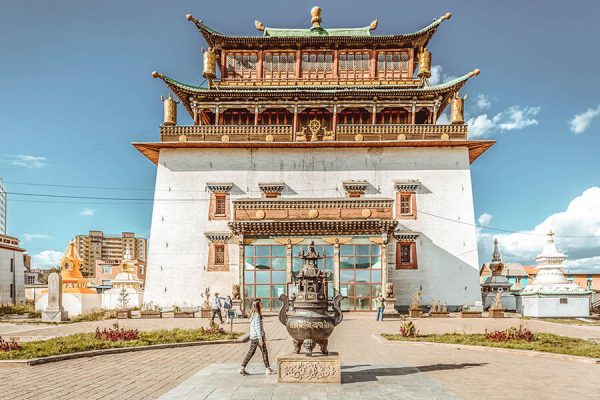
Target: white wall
(447, 251)
(7, 277)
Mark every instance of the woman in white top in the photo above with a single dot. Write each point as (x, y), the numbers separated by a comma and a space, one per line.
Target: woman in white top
(257, 337)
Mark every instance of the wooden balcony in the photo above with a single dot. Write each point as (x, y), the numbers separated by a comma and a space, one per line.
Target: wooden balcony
(409, 132)
(284, 133)
(225, 133)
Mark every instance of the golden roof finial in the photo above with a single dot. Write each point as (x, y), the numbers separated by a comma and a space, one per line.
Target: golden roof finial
(373, 25)
(259, 25)
(447, 16)
(315, 13)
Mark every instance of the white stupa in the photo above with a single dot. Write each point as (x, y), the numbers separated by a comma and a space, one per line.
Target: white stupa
(126, 283)
(551, 294)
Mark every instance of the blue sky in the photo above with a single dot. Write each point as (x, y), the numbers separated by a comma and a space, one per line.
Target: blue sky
(76, 91)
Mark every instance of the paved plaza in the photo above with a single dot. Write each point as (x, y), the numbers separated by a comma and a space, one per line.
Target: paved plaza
(372, 368)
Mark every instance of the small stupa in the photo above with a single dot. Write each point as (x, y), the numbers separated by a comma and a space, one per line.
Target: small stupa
(551, 294)
(73, 280)
(126, 283)
(497, 283)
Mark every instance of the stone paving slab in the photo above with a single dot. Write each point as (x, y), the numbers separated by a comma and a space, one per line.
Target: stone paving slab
(363, 381)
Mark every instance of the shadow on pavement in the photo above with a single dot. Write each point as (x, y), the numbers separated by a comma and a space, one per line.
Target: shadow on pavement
(368, 373)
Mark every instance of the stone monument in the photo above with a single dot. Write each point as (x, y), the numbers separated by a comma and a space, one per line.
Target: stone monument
(308, 322)
(390, 301)
(551, 294)
(497, 283)
(54, 312)
(497, 309)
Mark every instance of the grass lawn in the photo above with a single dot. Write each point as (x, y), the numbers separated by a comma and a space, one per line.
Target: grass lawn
(88, 341)
(544, 342)
(568, 321)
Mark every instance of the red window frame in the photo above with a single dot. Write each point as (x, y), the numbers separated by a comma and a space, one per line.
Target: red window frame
(406, 255)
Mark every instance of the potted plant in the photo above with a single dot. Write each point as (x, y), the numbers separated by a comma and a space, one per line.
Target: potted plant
(150, 310)
(415, 310)
(123, 312)
(183, 312)
(438, 310)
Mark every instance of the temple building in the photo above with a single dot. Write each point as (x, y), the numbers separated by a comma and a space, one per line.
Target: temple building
(316, 134)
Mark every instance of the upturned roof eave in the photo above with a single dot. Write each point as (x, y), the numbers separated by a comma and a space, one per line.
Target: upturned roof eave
(421, 37)
(185, 91)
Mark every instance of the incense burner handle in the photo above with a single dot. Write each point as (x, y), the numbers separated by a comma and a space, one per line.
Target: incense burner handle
(338, 316)
(283, 310)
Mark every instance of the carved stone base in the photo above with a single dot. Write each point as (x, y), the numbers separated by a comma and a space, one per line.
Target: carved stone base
(390, 304)
(496, 313)
(415, 313)
(58, 315)
(439, 314)
(470, 314)
(298, 368)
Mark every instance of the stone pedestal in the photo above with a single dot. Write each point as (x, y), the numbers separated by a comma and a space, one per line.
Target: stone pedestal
(319, 368)
(205, 313)
(390, 306)
(415, 313)
(59, 315)
(470, 314)
(497, 313)
(439, 314)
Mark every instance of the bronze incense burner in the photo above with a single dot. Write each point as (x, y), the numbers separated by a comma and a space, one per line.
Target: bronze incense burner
(306, 316)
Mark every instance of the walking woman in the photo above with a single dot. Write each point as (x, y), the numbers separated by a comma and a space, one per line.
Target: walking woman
(257, 338)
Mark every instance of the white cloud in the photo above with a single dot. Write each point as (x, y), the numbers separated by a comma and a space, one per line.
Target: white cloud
(483, 102)
(581, 218)
(27, 161)
(87, 212)
(438, 76)
(485, 219)
(513, 118)
(46, 259)
(582, 121)
(34, 236)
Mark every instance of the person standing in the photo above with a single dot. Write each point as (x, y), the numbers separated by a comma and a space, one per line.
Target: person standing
(227, 306)
(257, 338)
(380, 304)
(215, 307)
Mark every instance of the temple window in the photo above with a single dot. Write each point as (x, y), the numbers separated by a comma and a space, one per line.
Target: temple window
(406, 199)
(355, 116)
(280, 65)
(354, 64)
(392, 64)
(219, 254)
(218, 257)
(317, 65)
(237, 116)
(406, 255)
(219, 207)
(277, 116)
(241, 65)
(392, 116)
(220, 201)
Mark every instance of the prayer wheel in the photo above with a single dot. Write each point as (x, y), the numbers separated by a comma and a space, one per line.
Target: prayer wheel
(170, 106)
(457, 115)
(424, 64)
(210, 61)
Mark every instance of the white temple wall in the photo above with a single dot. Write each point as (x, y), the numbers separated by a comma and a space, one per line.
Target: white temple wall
(551, 306)
(446, 250)
(14, 277)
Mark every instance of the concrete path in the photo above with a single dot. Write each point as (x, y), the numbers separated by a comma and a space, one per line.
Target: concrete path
(464, 373)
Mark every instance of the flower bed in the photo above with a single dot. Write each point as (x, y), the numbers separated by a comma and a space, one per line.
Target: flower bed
(544, 342)
(123, 338)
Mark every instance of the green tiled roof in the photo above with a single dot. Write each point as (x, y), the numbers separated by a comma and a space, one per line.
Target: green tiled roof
(283, 32)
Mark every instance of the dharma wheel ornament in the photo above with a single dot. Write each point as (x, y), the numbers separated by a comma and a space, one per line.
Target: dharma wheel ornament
(170, 106)
(307, 319)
